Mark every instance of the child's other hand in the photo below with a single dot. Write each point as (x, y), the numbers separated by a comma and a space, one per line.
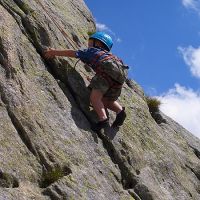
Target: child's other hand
(49, 53)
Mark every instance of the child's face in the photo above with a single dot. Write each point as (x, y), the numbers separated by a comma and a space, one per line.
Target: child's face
(97, 43)
(90, 43)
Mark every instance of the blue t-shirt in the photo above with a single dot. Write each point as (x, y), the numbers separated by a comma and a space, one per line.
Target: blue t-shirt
(91, 56)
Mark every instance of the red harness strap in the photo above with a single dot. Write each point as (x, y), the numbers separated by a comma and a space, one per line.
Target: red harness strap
(97, 58)
(97, 62)
(111, 57)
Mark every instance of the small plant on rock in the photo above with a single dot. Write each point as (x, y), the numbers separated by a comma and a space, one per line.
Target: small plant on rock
(54, 175)
(90, 33)
(154, 108)
(153, 104)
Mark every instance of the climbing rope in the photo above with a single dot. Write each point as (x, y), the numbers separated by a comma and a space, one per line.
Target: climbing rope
(87, 77)
(72, 43)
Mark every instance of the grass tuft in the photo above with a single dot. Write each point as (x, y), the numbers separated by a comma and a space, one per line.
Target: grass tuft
(153, 104)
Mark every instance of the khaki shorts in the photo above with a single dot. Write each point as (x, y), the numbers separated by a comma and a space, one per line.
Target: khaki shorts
(101, 84)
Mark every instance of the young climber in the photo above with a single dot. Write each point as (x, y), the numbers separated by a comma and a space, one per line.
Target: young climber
(107, 83)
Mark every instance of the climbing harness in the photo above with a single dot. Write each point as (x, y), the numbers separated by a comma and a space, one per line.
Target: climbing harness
(99, 60)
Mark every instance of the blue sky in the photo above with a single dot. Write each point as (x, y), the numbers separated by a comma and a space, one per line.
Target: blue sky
(159, 40)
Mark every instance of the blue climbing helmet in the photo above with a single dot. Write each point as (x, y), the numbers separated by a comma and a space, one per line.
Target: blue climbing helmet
(104, 38)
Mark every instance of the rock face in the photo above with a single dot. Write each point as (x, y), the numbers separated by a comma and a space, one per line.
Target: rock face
(47, 149)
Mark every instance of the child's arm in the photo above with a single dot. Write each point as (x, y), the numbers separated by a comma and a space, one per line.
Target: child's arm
(51, 53)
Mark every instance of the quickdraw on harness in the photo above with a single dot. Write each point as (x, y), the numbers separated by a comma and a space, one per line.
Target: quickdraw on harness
(96, 65)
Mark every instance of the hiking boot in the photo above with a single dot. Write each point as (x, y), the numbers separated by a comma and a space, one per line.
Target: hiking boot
(119, 118)
(100, 125)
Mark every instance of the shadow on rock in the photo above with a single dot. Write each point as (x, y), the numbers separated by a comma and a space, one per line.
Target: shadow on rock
(112, 132)
(75, 89)
(108, 133)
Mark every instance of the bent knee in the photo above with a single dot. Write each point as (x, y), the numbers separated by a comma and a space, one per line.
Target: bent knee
(96, 95)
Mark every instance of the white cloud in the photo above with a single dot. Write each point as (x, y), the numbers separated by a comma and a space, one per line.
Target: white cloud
(183, 105)
(102, 27)
(191, 57)
(118, 40)
(105, 28)
(192, 4)
(188, 3)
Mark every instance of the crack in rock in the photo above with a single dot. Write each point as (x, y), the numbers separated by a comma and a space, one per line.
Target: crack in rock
(129, 179)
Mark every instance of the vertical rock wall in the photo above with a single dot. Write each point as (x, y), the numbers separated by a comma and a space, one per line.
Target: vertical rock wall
(47, 149)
